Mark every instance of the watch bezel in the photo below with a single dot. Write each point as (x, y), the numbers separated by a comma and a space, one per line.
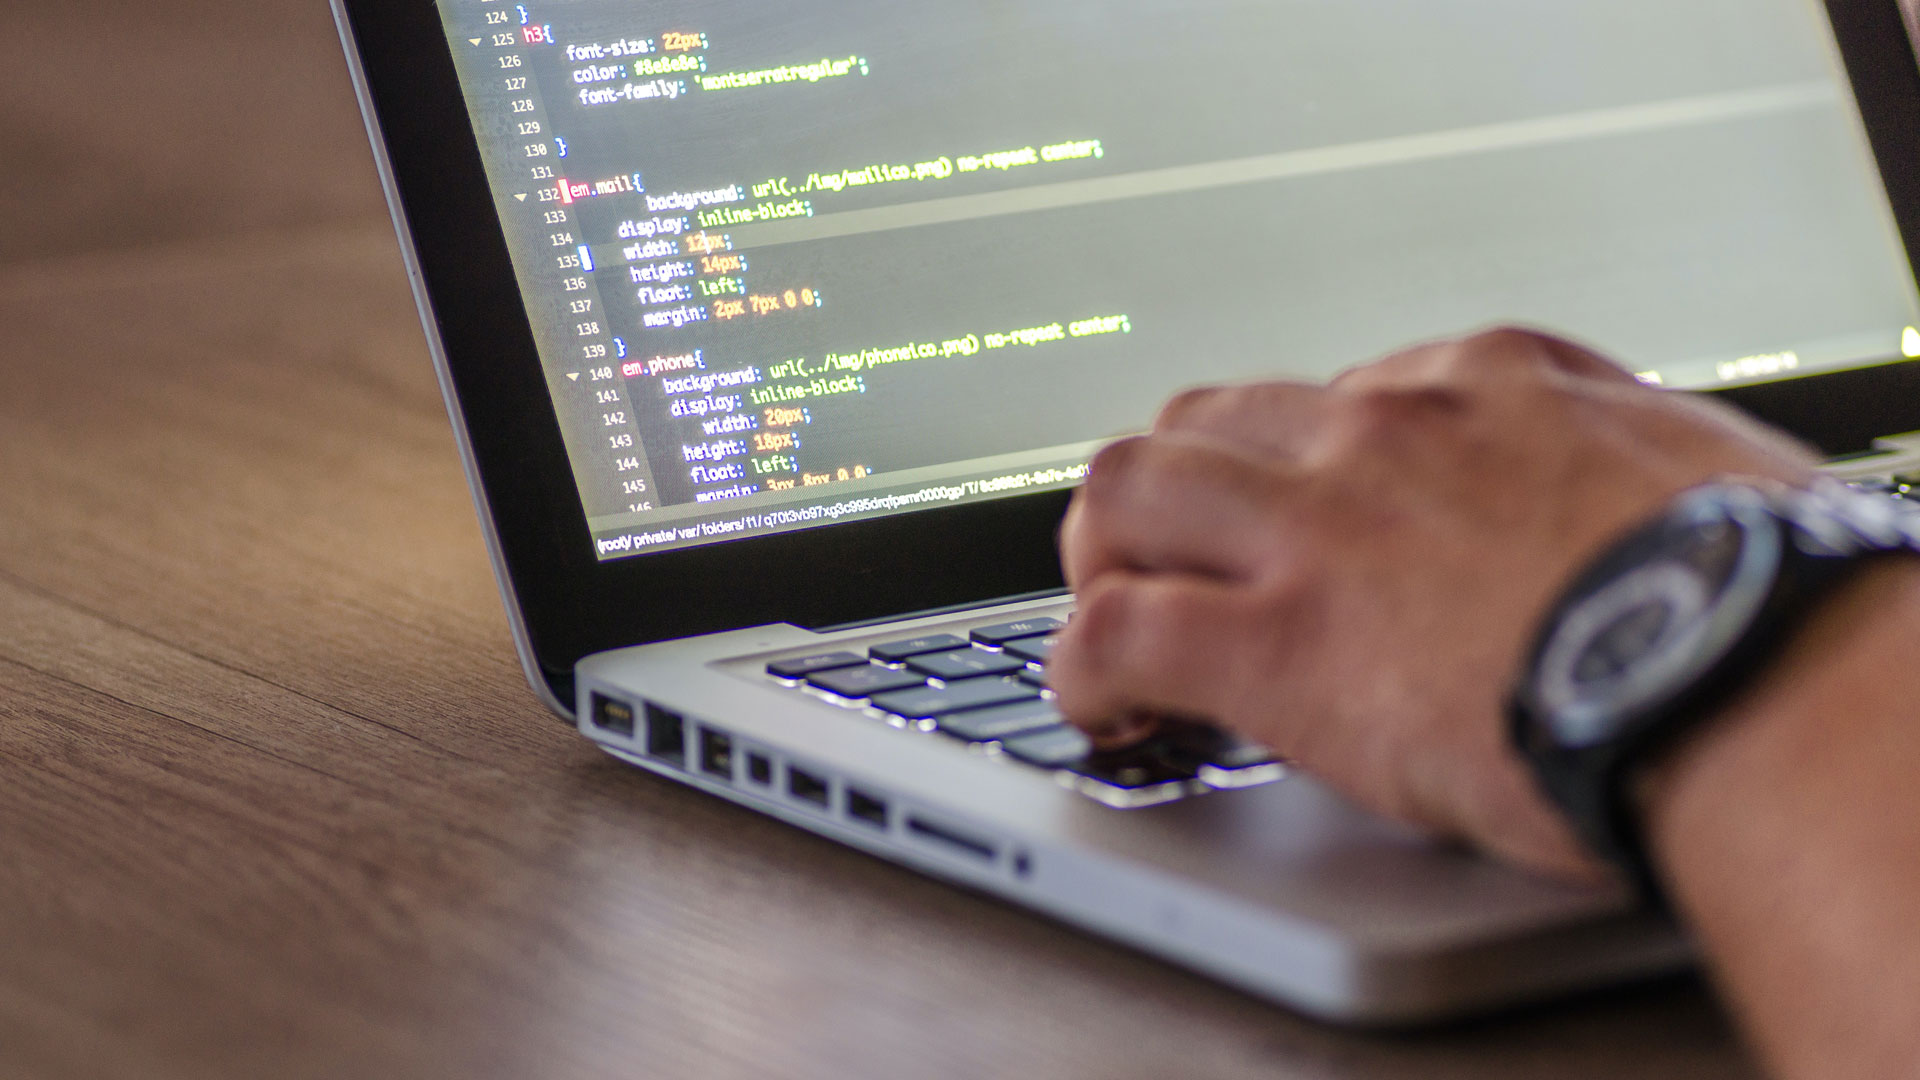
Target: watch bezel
(1684, 658)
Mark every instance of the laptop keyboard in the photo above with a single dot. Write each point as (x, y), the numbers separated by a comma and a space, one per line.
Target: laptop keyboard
(989, 690)
(1906, 489)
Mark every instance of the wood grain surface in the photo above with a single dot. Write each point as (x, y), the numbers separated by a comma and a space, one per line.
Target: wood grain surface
(274, 800)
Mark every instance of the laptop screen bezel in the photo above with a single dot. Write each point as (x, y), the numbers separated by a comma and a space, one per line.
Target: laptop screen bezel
(572, 604)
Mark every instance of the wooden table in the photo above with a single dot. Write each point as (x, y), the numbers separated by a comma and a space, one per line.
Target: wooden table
(274, 800)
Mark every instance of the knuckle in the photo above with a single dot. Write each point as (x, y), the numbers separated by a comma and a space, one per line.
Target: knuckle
(1117, 620)
(1508, 339)
(1382, 415)
(1499, 351)
(1126, 471)
(1188, 407)
(1375, 412)
(1288, 600)
(1113, 465)
(1101, 626)
(1267, 648)
(1389, 368)
(1288, 581)
(1071, 538)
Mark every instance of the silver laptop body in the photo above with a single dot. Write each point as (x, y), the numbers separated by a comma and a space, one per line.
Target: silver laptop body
(1239, 869)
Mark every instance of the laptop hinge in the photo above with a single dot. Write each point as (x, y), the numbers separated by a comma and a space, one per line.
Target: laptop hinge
(953, 609)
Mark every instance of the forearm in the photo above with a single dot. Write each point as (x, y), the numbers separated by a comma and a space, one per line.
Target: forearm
(1789, 834)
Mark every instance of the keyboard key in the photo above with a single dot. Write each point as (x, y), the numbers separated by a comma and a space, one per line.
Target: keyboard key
(1194, 745)
(1220, 759)
(894, 652)
(804, 666)
(1131, 778)
(1054, 748)
(966, 664)
(1038, 679)
(866, 681)
(930, 702)
(1001, 722)
(1245, 776)
(1033, 650)
(1135, 767)
(1001, 633)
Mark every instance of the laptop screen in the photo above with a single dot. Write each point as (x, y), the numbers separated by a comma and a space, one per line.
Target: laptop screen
(793, 265)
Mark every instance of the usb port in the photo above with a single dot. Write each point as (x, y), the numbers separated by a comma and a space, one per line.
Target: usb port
(716, 754)
(611, 715)
(760, 769)
(868, 808)
(666, 735)
(806, 787)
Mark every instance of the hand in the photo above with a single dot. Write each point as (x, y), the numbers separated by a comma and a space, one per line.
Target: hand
(1352, 574)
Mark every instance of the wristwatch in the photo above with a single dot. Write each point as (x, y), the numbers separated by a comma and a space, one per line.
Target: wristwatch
(1669, 624)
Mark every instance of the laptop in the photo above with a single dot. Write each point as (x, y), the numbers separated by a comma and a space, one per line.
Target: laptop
(776, 337)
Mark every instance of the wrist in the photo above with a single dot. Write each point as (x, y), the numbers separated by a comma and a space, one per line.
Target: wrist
(1784, 835)
(1792, 728)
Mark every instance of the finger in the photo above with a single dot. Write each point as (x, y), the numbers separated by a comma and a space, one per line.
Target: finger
(1168, 503)
(1275, 417)
(1148, 645)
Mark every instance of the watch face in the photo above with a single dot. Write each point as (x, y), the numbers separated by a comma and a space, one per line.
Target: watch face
(1661, 611)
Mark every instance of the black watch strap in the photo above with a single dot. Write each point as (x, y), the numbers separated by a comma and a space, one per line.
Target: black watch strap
(1587, 758)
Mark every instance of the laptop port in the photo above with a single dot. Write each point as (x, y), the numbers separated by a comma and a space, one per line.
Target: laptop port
(611, 715)
(666, 735)
(806, 787)
(868, 808)
(949, 838)
(760, 769)
(716, 754)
